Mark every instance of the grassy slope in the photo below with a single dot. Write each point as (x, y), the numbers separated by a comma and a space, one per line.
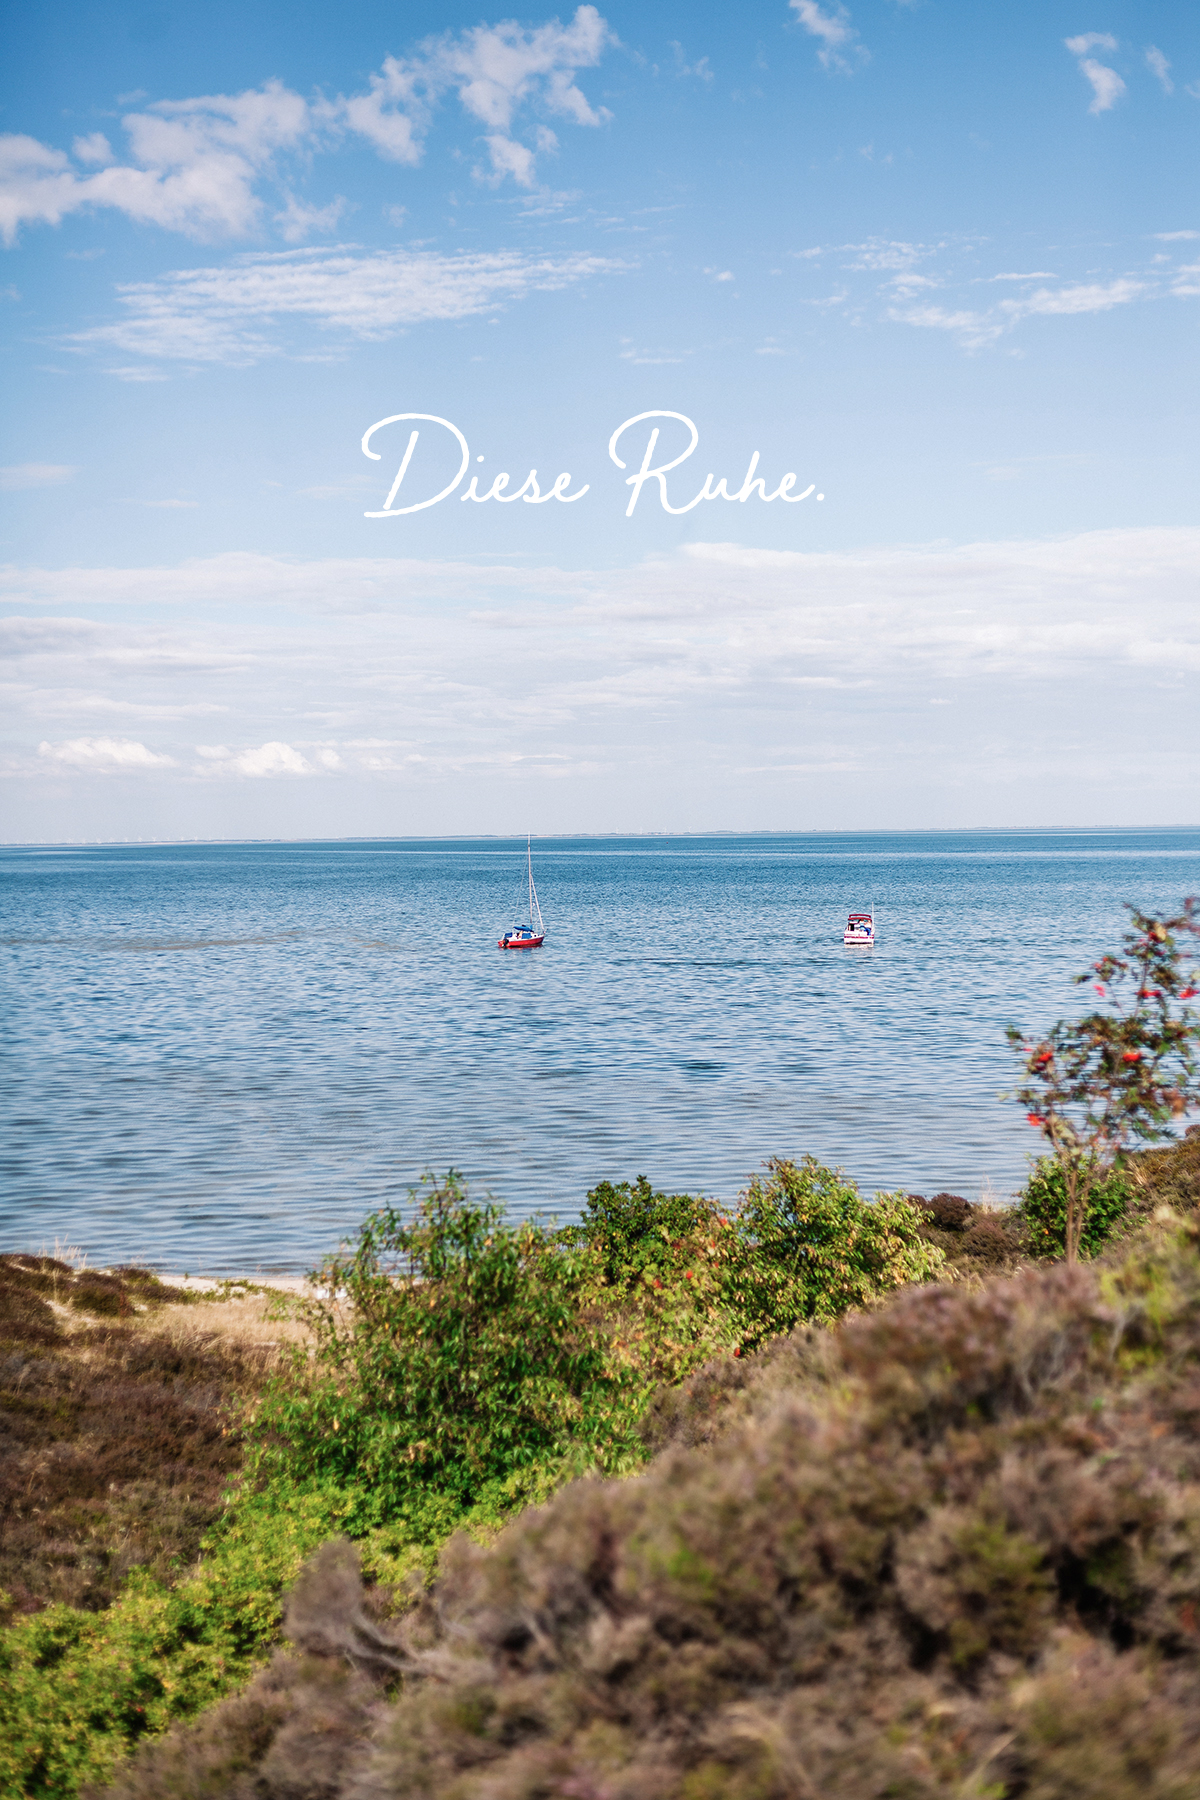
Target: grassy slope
(118, 1442)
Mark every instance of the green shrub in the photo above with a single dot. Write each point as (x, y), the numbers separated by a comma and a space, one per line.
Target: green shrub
(660, 1273)
(1043, 1207)
(79, 1689)
(457, 1359)
(638, 1230)
(811, 1248)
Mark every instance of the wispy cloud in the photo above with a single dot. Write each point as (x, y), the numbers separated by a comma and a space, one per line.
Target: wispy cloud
(1107, 86)
(976, 329)
(495, 70)
(105, 756)
(926, 285)
(1158, 65)
(35, 475)
(197, 165)
(232, 314)
(699, 70)
(834, 32)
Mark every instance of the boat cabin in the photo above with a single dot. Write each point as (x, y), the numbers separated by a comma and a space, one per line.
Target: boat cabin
(520, 937)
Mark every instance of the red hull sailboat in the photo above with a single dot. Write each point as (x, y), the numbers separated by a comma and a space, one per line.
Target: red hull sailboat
(533, 935)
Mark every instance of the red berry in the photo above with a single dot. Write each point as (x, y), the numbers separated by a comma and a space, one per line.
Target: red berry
(1132, 1056)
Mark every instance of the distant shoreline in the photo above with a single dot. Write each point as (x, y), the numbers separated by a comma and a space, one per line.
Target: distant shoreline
(551, 837)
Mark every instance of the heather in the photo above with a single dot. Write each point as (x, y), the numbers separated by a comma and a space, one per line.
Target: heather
(949, 1546)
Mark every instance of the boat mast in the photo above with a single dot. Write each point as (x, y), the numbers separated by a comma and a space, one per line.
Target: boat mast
(533, 899)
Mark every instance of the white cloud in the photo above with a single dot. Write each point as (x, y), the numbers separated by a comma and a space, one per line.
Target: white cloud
(1090, 40)
(193, 168)
(224, 314)
(974, 330)
(837, 36)
(978, 329)
(658, 678)
(297, 221)
(35, 475)
(269, 759)
(196, 165)
(511, 158)
(683, 68)
(1083, 297)
(1158, 65)
(496, 70)
(1107, 86)
(107, 756)
(137, 372)
(95, 148)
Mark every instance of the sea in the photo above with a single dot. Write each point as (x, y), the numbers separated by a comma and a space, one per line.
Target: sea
(218, 1057)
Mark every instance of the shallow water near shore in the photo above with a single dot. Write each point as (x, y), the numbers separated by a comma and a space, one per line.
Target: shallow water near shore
(218, 1057)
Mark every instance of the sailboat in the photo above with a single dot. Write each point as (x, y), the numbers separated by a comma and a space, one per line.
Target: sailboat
(533, 935)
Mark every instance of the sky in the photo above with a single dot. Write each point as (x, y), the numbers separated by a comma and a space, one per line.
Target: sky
(909, 294)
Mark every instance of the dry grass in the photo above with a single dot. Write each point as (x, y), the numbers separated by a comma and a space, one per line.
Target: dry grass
(118, 1421)
(265, 1320)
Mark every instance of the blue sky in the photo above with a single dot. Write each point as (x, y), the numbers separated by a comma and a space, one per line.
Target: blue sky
(939, 261)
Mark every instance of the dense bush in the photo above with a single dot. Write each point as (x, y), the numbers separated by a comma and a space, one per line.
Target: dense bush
(456, 1358)
(947, 1549)
(1043, 1208)
(79, 1689)
(810, 1247)
(462, 1362)
(639, 1231)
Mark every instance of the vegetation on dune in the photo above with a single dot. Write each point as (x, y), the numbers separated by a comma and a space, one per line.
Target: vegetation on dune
(1099, 1086)
(457, 1368)
(949, 1547)
(118, 1442)
(115, 1453)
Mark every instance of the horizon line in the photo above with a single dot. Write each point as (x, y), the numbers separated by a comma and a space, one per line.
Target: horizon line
(564, 836)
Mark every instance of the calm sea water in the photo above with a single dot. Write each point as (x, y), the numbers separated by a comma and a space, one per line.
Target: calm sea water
(219, 1057)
